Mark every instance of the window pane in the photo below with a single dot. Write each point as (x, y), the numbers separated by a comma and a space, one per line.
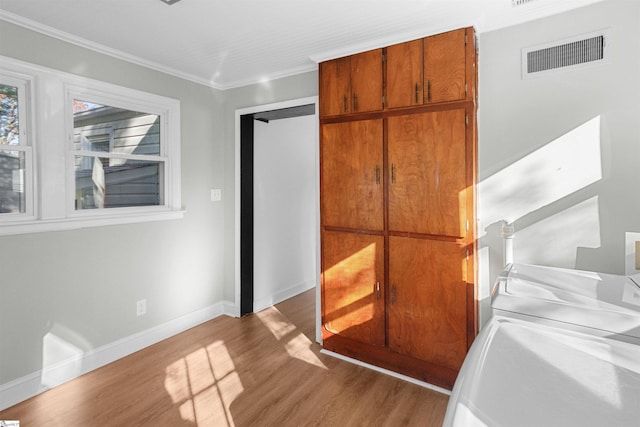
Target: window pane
(98, 140)
(12, 195)
(103, 182)
(9, 130)
(115, 130)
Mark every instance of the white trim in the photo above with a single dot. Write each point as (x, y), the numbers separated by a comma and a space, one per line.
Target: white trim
(53, 184)
(25, 86)
(96, 47)
(387, 372)
(380, 42)
(116, 155)
(133, 59)
(229, 309)
(259, 109)
(280, 296)
(269, 77)
(31, 385)
(167, 109)
(78, 222)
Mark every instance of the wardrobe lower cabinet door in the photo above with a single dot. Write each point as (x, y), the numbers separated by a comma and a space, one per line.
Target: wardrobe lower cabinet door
(352, 286)
(427, 306)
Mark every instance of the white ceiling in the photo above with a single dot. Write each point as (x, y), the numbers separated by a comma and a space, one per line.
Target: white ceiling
(230, 43)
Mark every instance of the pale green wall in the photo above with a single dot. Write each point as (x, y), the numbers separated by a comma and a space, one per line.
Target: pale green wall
(88, 280)
(595, 186)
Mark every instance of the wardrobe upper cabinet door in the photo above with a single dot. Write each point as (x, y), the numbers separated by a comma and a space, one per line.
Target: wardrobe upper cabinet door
(366, 81)
(352, 84)
(427, 307)
(335, 87)
(404, 74)
(352, 193)
(352, 286)
(427, 170)
(444, 67)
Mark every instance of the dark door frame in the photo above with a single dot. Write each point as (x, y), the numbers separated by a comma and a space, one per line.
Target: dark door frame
(244, 190)
(246, 214)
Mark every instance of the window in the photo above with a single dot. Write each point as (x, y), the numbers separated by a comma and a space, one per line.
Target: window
(16, 194)
(106, 154)
(116, 157)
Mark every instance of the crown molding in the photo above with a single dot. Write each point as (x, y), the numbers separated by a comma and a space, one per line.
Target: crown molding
(269, 77)
(118, 54)
(97, 47)
(383, 42)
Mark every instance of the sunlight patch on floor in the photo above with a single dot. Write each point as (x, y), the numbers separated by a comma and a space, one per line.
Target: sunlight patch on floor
(275, 322)
(204, 384)
(299, 346)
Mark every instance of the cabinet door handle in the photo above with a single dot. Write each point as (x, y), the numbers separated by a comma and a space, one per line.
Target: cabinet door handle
(393, 294)
(378, 291)
(428, 90)
(355, 102)
(377, 174)
(393, 173)
(344, 103)
(417, 92)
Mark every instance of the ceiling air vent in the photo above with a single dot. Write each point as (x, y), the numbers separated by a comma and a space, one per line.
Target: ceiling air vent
(576, 52)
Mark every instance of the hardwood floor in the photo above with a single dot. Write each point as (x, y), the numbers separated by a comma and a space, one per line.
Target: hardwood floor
(261, 370)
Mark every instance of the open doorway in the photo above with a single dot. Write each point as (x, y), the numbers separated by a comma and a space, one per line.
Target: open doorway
(277, 210)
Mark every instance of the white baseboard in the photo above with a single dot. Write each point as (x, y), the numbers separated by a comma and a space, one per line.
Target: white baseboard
(387, 372)
(31, 385)
(230, 309)
(261, 304)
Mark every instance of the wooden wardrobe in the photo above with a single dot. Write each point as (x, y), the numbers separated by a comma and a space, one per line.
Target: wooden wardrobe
(398, 176)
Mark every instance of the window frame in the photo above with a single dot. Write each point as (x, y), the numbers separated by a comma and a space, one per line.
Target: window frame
(24, 84)
(52, 177)
(139, 103)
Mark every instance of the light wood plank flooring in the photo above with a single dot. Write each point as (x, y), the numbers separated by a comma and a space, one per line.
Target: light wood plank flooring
(261, 370)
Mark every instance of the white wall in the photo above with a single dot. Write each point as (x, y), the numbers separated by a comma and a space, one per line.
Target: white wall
(247, 98)
(559, 154)
(284, 209)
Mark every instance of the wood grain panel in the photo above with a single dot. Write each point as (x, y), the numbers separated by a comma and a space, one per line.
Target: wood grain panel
(366, 81)
(422, 370)
(426, 204)
(353, 286)
(444, 67)
(427, 166)
(351, 188)
(335, 87)
(404, 74)
(427, 315)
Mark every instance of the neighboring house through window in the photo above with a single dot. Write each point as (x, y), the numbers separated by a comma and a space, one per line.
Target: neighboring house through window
(120, 150)
(117, 157)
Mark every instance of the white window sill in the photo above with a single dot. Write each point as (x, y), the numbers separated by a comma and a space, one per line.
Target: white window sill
(41, 226)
